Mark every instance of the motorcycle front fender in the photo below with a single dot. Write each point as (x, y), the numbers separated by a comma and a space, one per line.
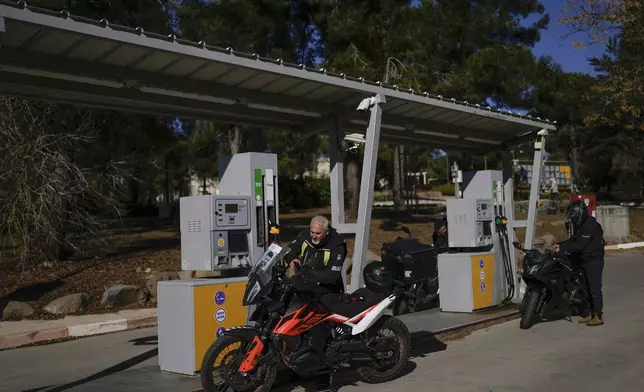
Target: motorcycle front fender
(245, 332)
(553, 286)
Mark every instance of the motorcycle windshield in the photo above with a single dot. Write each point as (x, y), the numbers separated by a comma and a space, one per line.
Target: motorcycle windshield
(260, 277)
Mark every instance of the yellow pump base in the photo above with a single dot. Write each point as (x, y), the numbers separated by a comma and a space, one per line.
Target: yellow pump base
(470, 281)
(191, 315)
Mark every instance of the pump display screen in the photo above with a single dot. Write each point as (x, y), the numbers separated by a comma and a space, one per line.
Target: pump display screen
(231, 208)
(231, 212)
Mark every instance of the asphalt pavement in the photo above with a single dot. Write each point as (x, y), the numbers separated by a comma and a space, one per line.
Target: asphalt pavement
(553, 356)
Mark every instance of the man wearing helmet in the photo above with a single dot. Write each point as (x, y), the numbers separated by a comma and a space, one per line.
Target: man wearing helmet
(320, 252)
(587, 243)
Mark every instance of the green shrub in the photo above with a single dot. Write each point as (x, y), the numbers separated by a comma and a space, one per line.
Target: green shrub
(304, 193)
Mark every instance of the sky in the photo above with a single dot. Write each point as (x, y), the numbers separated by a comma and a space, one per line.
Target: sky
(561, 49)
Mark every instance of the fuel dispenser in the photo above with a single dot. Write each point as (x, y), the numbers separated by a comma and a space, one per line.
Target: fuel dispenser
(227, 232)
(231, 230)
(476, 273)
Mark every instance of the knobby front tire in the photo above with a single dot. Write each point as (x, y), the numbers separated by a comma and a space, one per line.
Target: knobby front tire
(219, 368)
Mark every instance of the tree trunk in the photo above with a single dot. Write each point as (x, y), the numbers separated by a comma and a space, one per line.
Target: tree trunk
(396, 185)
(235, 140)
(353, 186)
(399, 170)
(575, 168)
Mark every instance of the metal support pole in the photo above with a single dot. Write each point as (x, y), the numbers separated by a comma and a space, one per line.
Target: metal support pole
(456, 180)
(3, 29)
(535, 189)
(336, 157)
(508, 196)
(367, 183)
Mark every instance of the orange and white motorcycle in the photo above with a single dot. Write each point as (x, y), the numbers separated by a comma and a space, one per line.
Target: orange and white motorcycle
(311, 333)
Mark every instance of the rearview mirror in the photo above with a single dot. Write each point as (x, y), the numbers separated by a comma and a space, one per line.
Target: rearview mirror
(405, 229)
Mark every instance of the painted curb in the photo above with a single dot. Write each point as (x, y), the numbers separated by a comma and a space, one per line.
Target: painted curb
(631, 245)
(492, 320)
(97, 328)
(84, 330)
(27, 338)
(75, 331)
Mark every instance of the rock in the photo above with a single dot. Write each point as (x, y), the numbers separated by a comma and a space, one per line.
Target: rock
(15, 310)
(68, 304)
(122, 295)
(148, 270)
(139, 270)
(186, 274)
(152, 280)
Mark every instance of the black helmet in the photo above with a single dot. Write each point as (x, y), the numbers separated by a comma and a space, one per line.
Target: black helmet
(377, 278)
(576, 213)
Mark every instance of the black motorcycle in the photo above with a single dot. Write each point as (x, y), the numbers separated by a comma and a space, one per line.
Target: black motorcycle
(414, 268)
(554, 289)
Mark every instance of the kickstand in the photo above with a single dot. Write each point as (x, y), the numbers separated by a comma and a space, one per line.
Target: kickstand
(568, 315)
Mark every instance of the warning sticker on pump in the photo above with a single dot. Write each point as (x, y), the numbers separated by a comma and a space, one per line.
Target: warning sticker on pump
(482, 286)
(220, 297)
(482, 275)
(481, 263)
(220, 315)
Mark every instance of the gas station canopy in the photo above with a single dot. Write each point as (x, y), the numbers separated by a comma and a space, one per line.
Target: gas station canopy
(64, 58)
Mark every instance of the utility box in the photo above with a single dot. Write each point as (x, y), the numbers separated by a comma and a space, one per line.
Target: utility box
(615, 222)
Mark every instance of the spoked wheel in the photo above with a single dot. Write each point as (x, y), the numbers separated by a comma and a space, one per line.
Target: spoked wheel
(389, 365)
(219, 368)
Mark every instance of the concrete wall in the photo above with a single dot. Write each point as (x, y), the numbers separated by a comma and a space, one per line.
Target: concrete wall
(614, 221)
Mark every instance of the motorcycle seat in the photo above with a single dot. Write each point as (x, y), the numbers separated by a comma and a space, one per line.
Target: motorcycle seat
(351, 305)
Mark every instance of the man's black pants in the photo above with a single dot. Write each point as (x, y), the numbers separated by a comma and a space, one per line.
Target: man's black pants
(593, 271)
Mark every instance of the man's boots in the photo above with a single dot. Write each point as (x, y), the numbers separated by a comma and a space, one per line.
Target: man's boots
(596, 321)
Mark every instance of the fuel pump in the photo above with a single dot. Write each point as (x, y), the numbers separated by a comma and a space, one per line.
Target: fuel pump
(225, 234)
(476, 273)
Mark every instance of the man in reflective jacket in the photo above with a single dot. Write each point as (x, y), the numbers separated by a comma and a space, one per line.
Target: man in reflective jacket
(320, 252)
(586, 243)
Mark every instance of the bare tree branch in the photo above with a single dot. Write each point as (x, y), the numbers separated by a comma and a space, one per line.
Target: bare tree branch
(50, 189)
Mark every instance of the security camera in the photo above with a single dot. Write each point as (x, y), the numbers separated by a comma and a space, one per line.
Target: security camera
(353, 148)
(543, 132)
(356, 138)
